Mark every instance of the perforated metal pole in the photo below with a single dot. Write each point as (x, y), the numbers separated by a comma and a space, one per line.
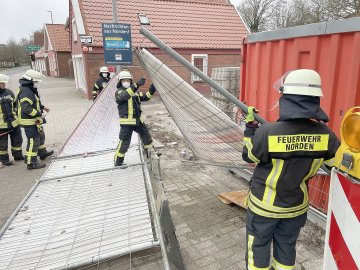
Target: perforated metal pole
(197, 72)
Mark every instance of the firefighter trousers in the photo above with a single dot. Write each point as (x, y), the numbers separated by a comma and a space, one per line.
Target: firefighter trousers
(35, 144)
(281, 232)
(16, 142)
(125, 139)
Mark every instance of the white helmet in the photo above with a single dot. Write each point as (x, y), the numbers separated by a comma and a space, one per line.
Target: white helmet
(4, 78)
(33, 75)
(306, 82)
(104, 69)
(125, 75)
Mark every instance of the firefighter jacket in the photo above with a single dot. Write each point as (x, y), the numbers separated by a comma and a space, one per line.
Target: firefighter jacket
(100, 85)
(129, 104)
(29, 105)
(288, 154)
(8, 116)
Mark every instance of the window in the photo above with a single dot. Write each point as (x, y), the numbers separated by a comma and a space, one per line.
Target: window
(201, 62)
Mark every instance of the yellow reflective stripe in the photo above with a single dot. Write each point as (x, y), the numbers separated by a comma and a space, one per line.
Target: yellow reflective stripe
(96, 86)
(25, 99)
(16, 148)
(314, 168)
(300, 142)
(330, 162)
(15, 122)
(3, 125)
(249, 146)
(130, 91)
(94, 92)
(29, 153)
(148, 94)
(271, 181)
(117, 152)
(250, 262)
(263, 213)
(272, 208)
(280, 266)
(127, 121)
(130, 108)
(27, 122)
(146, 146)
(3, 152)
(42, 146)
(250, 252)
(33, 112)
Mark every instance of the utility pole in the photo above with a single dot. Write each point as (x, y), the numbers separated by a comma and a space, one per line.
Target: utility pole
(52, 21)
(115, 20)
(114, 11)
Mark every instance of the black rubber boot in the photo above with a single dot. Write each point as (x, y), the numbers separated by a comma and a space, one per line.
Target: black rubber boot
(35, 166)
(46, 154)
(7, 163)
(119, 162)
(19, 158)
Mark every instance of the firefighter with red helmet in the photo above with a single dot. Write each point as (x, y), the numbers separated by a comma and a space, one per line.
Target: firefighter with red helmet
(287, 154)
(129, 98)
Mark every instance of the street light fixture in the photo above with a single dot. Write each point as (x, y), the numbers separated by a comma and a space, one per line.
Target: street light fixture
(52, 22)
(144, 20)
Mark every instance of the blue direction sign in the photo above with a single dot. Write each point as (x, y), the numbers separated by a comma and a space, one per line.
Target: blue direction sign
(117, 43)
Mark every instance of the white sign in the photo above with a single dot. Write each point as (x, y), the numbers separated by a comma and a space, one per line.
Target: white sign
(86, 39)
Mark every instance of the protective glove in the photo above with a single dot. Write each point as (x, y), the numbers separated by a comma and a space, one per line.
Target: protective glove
(140, 82)
(152, 89)
(250, 116)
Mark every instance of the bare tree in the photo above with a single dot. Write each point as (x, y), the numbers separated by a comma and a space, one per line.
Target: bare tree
(257, 13)
(336, 9)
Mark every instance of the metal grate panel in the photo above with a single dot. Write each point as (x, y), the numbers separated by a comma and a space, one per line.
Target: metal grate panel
(77, 220)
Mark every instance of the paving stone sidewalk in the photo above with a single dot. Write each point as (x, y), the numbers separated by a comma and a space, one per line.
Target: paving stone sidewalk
(211, 234)
(67, 108)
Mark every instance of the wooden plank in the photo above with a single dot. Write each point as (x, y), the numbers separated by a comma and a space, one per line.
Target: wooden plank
(237, 197)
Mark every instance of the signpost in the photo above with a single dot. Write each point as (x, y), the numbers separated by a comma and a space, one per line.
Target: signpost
(86, 39)
(117, 43)
(32, 47)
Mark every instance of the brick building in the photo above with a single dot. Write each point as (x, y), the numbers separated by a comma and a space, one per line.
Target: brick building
(57, 50)
(208, 33)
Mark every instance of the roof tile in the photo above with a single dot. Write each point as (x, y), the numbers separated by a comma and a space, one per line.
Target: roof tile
(179, 24)
(59, 37)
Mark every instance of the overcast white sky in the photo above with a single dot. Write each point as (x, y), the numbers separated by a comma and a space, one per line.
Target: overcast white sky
(20, 18)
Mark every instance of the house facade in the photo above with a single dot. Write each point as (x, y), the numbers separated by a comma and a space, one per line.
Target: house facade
(56, 52)
(207, 33)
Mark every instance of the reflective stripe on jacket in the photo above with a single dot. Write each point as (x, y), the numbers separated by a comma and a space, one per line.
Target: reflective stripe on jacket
(99, 85)
(287, 154)
(29, 106)
(129, 104)
(8, 117)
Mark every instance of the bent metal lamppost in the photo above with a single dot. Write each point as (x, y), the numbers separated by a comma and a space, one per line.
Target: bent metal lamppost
(52, 21)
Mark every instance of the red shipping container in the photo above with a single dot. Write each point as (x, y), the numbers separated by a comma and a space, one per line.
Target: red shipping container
(330, 48)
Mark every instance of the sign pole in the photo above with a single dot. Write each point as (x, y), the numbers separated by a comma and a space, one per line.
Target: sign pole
(115, 20)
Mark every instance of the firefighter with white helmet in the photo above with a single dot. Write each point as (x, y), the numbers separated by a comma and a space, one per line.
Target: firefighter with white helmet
(9, 124)
(102, 81)
(31, 115)
(129, 99)
(287, 154)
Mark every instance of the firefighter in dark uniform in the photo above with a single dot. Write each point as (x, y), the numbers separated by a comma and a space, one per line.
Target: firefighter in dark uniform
(101, 82)
(287, 153)
(31, 115)
(9, 125)
(129, 101)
